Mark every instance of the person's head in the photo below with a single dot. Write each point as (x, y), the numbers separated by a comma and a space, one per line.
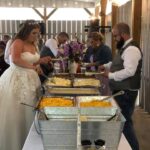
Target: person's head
(96, 39)
(121, 33)
(2, 44)
(6, 38)
(62, 37)
(28, 31)
(2, 48)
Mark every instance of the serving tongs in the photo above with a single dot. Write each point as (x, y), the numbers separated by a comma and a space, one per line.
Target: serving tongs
(37, 106)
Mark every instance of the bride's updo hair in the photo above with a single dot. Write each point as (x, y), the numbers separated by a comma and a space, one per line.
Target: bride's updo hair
(26, 28)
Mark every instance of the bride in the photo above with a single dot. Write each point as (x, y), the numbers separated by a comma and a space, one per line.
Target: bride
(19, 84)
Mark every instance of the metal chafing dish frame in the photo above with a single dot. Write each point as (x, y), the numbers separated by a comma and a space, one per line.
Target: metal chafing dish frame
(71, 91)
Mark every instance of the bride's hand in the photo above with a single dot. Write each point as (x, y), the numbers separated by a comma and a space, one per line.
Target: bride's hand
(38, 69)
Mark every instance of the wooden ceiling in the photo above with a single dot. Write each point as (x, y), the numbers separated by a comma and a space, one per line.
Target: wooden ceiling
(48, 3)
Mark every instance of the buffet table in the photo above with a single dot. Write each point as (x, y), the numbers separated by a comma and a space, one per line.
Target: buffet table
(75, 107)
(34, 141)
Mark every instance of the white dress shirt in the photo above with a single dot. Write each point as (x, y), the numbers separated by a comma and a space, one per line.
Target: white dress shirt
(7, 51)
(131, 56)
(52, 44)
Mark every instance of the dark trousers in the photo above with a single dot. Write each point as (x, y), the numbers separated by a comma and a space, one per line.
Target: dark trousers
(126, 102)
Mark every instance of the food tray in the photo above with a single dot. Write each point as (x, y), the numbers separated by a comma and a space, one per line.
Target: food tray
(58, 111)
(102, 113)
(57, 101)
(72, 91)
(59, 81)
(86, 113)
(86, 82)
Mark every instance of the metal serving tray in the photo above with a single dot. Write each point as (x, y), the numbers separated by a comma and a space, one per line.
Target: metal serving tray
(72, 91)
(96, 113)
(103, 113)
(61, 112)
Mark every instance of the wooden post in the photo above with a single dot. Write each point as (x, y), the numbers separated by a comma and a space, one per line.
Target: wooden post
(114, 21)
(136, 22)
(103, 12)
(45, 22)
(97, 11)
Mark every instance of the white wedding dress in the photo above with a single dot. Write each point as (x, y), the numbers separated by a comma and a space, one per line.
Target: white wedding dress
(17, 85)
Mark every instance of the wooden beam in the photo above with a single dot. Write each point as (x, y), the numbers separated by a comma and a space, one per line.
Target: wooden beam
(45, 15)
(97, 8)
(38, 13)
(45, 21)
(103, 4)
(114, 21)
(51, 13)
(88, 12)
(136, 22)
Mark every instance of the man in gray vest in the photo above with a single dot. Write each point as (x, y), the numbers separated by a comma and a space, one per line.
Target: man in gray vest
(124, 73)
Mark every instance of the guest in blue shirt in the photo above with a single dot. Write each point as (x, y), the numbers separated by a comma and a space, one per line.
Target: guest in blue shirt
(97, 53)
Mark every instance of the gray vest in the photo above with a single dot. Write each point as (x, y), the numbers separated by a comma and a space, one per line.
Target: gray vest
(117, 64)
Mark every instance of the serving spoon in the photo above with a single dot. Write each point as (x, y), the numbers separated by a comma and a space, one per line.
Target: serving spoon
(111, 96)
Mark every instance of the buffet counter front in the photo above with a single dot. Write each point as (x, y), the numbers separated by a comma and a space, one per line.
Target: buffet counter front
(34, 141)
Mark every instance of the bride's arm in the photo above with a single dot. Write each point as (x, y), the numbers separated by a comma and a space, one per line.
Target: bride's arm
(43, 60)
(16, 50)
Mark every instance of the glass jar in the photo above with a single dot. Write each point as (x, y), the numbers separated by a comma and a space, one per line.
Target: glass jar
(73, 67)
(57, 67)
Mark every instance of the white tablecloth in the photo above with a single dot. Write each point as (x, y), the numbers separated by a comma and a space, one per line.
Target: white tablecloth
(34, 141)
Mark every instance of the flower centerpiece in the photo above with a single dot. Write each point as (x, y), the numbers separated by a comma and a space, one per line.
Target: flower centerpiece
(74, 51)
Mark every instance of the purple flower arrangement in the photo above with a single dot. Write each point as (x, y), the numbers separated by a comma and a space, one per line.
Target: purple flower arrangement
(74, 50)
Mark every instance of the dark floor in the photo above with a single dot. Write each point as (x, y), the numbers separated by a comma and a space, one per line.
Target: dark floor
(142, 127)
